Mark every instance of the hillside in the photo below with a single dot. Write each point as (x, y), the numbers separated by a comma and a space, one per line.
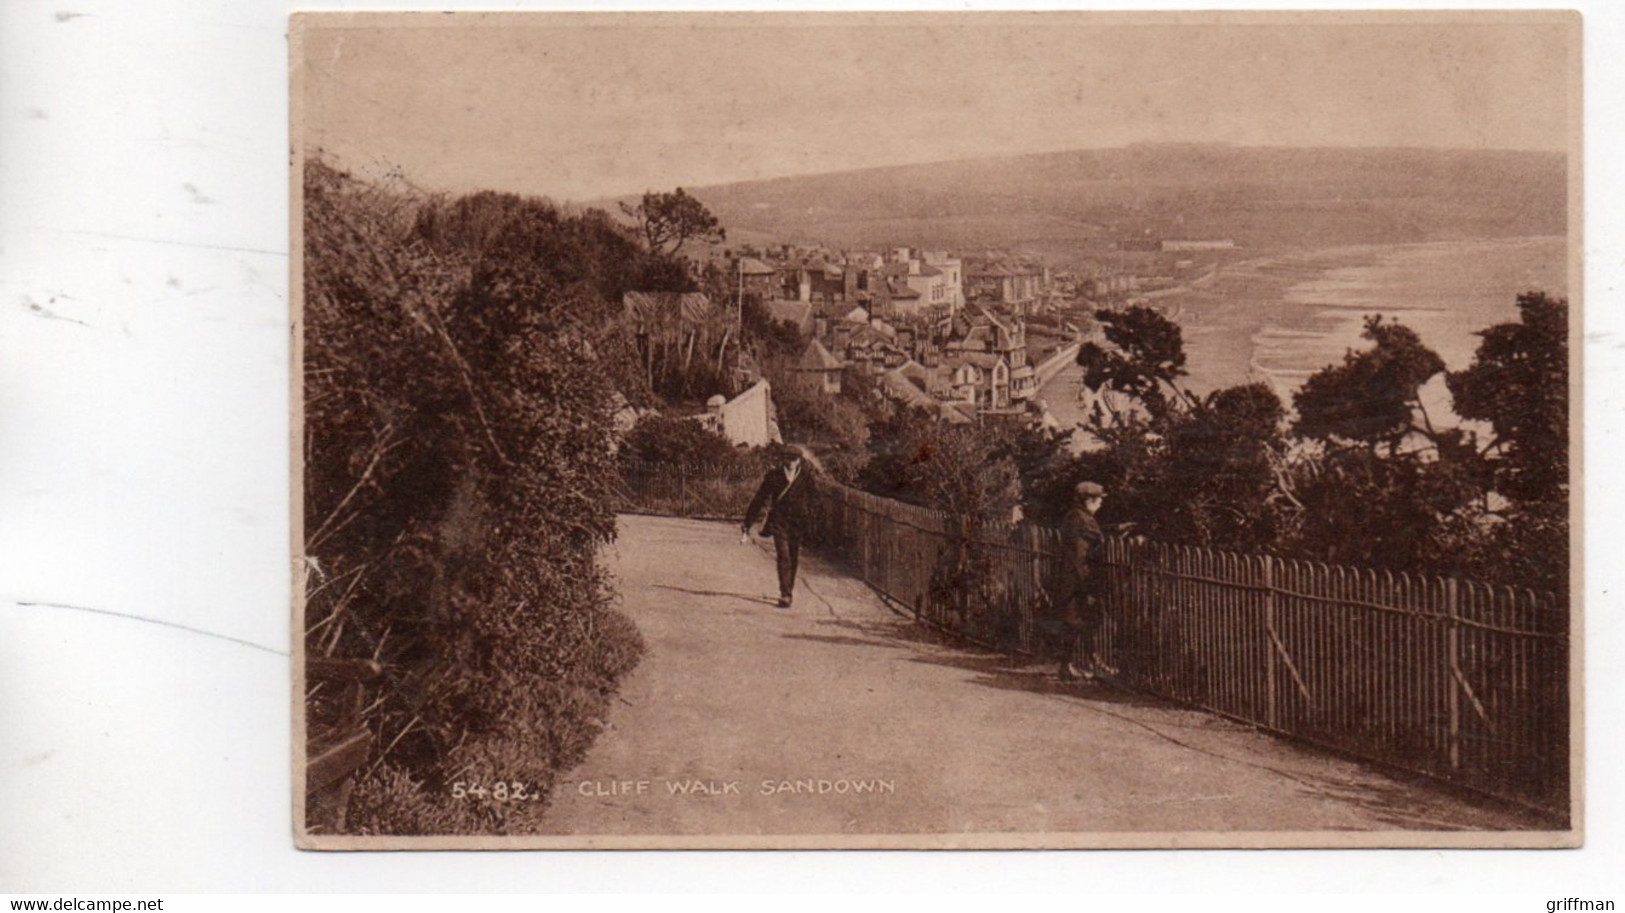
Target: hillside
(1264, 198)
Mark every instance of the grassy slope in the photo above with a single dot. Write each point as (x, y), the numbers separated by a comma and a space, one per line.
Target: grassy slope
(1264, 198)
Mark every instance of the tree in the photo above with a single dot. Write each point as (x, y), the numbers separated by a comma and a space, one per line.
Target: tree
(1411, 510)
(1518, 382)
(1394, 511)
(765, 336)
(1371, 397)
(1046, 467)
(669, 220)
(966, 470)
(1218, 474)
(1150, 352)
(1187, 469)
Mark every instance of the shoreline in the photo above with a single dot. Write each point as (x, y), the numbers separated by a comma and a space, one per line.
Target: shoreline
(1228, 324)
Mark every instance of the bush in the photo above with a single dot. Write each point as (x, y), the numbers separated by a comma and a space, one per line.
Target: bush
(676, 441)
(458, 482)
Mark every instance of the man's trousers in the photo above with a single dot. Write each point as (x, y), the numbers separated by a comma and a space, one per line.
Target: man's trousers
(786, 553)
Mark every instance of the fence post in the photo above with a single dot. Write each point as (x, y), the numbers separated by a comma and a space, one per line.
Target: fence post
(1271, 714)
(1453, 689)
(682, 491)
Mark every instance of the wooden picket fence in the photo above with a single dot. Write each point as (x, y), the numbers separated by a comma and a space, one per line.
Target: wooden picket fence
(1452, 679)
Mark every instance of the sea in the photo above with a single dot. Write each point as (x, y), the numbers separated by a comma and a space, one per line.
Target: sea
(1446, 292)
(1281, 318)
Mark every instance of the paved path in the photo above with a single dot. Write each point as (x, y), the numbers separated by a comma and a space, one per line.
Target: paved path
(1060, 396)
(841, 717)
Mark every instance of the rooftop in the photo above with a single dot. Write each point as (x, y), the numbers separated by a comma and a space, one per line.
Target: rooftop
(817, 358)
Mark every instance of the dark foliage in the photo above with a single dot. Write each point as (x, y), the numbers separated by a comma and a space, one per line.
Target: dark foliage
(1367, 482)
(966, 470)
(1518, 382)
(1150, 352)
(668, 220)
(1047, 472)
(676, 441)
(458, 367)
(1393, 511)
(1217, 468)
(837, 428)
(770, 338)
(1371, 396)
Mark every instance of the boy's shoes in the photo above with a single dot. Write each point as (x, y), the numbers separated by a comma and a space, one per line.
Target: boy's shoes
(1071, 672)
(784, 602)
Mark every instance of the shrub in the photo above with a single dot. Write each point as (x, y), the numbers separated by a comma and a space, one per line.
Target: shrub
(676, 441)
(458, 483)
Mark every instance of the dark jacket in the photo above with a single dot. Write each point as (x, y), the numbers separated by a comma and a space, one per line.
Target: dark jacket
(788, 504)
(1082, 548)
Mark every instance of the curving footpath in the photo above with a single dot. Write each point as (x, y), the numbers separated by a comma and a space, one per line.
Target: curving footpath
(839, 717)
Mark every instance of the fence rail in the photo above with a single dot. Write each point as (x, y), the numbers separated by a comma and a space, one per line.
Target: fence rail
(701, 492)
(1448, 678)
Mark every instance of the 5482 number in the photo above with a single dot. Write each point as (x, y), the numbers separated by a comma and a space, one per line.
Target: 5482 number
(500, 791)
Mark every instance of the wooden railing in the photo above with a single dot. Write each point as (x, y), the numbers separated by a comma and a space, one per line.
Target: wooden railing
(701, 492)
(1448, 678)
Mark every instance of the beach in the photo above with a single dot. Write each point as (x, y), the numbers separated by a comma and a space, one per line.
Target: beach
(1280, 318)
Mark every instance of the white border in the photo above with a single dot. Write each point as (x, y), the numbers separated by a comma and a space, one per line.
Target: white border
(143, 471)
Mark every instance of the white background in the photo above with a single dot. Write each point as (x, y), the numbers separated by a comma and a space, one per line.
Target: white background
(143, 473)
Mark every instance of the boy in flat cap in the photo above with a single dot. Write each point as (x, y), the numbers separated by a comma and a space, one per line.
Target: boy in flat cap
(1076, 596)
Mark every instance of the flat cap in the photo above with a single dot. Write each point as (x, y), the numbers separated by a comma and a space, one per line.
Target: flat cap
(1088, 490)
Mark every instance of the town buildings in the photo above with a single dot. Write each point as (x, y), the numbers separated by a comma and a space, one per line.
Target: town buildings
(930, 328)
(1016, 287)
(899, 283)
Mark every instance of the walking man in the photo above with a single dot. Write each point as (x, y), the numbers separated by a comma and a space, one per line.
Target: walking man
(1076, 597)
(786, 494)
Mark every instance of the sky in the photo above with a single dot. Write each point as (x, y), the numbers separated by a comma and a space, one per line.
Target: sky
(587, 106)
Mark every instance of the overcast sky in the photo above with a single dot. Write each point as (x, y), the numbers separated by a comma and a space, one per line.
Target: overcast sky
(584, 107)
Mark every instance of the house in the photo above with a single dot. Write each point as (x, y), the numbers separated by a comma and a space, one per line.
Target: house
(1102, 286)
(981, 332)
(931, 284)
(1023, 383)
(815, 279)
(897, 386)
(902, 300)
(915, 286)
(753, 277)
(1016, 287)
(953, 275)
(747, 420)
(1010, 342)
(1190, 244)
(797, 313)
(864, 260)
(979, 379)
(819, 371)
(872, 348)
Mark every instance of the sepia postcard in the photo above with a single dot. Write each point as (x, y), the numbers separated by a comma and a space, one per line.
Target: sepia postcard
(936, 430)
